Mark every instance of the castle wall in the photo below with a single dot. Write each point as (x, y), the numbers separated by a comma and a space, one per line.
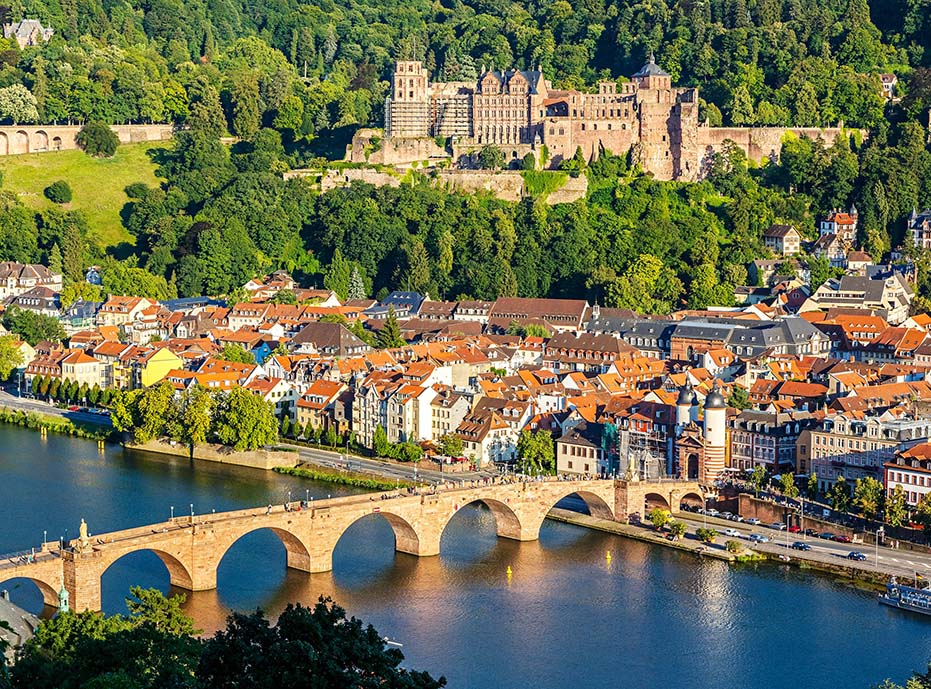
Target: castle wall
(760, 142)
(17, 140)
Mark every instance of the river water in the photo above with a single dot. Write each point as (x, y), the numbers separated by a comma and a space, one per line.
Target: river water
(567, 617)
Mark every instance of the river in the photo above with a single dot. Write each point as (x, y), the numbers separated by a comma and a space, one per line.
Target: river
(567, 617)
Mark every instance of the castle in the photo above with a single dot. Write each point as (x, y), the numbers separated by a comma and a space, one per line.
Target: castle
(520, 112)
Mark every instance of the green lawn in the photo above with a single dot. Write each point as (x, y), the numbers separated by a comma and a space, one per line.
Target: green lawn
(97, 184)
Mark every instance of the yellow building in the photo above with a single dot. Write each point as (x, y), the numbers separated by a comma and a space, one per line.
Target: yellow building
(152, 366)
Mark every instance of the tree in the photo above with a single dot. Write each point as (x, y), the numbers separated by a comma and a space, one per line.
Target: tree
(868, 496)
(338, 275)
(787, 485)
(896, 510)
(33, 327)
(244, 94)
(97, 139)
(451, 445)
(356, 288)
(536, 452)
(318, 642)
(811, 489)
(11, 356)
(236, 353)
(165, 614)
(491, 158)
(677, 529)
(706, 535)
(285, 429)
(380, 444)
(389, 337)
(658, 517)
(838, 495)
(740, 398)
(58, 192)
(758, 478)
(18, 105)
(196, 415)
(244, 420)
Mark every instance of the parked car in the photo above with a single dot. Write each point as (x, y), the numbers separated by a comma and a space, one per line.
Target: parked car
(733, 533)
(854, 555)
(779, 526)
(737, 518)
(759, 538)
(841, 538)
(812, 532)
(726, 515)
(798, 545)
(827, 535)
(794, 529)
(713, 513)
(752, 521)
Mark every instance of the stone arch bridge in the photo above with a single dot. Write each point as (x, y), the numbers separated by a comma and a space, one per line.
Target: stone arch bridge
(192, 547)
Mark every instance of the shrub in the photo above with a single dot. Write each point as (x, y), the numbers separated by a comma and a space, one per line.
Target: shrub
(677, 529)
(733, 546)
(97, 139)
(658, 517)
(706, 535)
(58, 192)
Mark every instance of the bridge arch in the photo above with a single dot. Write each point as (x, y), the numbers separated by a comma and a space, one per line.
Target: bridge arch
(407, 539)
(46, 589)
(651, 500)
(179, 573)
(692, 499)
(507, 523)
(297, 551)
(597, 506)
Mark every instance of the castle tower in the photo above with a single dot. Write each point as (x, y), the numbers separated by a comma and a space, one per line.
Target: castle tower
(715, 435)
(408, 108)
(684, 407)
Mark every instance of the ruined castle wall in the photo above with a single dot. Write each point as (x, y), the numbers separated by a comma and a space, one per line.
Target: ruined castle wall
(761, 142)
(370, 146)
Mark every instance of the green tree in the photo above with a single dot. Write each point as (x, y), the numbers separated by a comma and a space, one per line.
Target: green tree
(536, 452)
(787, 485)
(356, 289)
(491, 158)
(97, 139)
(18, 105)
(244, 420)
(33, 327)
(758, 478)
(11, 356)
(811, 489)
(658, 517)
(389, 336)
(236, 353)
(838, 495)
(244, 96)
(338, 275)
(165, 614)
(896, 512)
(197, 405)
(677, 529)
(706, 535)
(380, 444)
(740, 398)
(868, 496)
(451, 445)
(58, 192)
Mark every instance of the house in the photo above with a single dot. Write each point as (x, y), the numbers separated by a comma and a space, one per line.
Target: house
(888, 294)
(910, 470)
(487, 438)
(888, 82)
(784, 240)
(28, 32)
(120, 310)
(40, 300)
(842, 225)
(831, 247)
(402, 304)
(80, 315)
(767, 439)
(152, 366)
(275, 391)
(20, 626)
(329, 339)
(16, 278)
(580, 351)
(858, 260)
(473, 311)
(919, 229)
(580, 451)
(79, 366)
(556, 315)
(449, 408)
(323, 406)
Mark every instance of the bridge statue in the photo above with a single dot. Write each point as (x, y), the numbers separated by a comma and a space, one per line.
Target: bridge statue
(82, 534)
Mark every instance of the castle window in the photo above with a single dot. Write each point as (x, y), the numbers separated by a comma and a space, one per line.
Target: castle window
(561, 131)
(583, 126)
(609, 126)
(595, 126)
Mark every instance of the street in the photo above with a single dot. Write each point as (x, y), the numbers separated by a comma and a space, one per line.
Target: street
(11, 401)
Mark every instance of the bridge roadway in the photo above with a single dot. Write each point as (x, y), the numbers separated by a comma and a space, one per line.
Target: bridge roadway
(192, 547)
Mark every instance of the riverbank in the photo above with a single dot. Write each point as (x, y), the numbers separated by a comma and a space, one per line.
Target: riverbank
(343, 478)
(254, 459)
(48, 423)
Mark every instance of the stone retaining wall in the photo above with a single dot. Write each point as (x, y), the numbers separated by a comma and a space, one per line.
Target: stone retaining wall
(257, 459)
(17, 140)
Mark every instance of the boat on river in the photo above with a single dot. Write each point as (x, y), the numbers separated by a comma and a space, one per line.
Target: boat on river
(907, 597)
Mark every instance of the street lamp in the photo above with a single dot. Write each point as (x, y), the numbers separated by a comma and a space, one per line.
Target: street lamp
(289, 498)
(879, 532)
(192, 510)
(44, 538)
(172, 513)
(307, 495)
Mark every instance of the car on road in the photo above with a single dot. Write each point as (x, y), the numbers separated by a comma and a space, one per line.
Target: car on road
(759, 538)
(752, 521)
(798, 545)
(779, 526)
(73, 407)
(827, 535)
(854, 555)
(841, 538)
(733, 533)
(794, 529)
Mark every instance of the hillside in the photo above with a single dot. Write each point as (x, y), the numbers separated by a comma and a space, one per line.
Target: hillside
(98, 184)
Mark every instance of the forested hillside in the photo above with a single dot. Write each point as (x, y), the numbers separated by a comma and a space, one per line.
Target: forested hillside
(290, 79)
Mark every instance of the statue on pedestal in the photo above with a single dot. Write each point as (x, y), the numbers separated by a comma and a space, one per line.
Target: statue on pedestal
(82, 534)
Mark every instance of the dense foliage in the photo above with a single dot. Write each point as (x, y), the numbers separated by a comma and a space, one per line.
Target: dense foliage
(156, 647)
